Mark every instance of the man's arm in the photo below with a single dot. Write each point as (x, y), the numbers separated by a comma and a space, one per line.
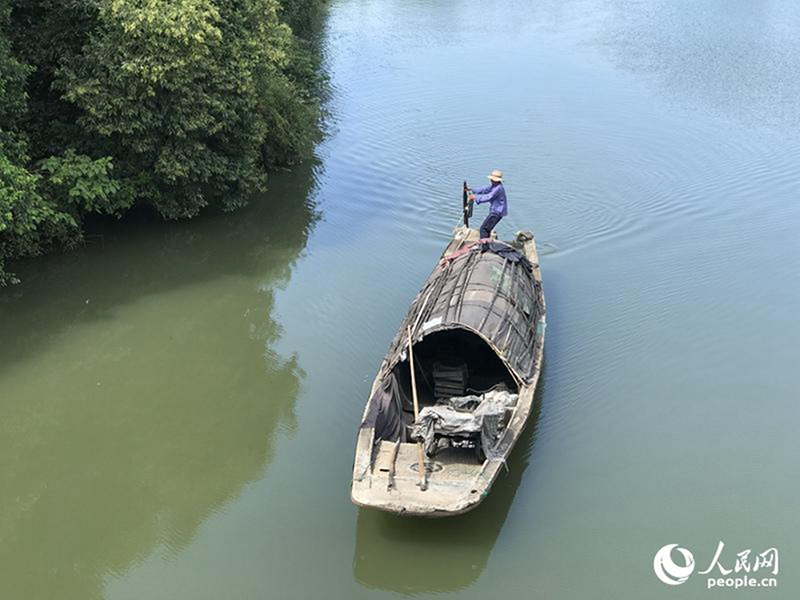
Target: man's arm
(486, 194)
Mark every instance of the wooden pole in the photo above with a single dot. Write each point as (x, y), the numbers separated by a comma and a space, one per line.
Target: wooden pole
(464, 201)
(467, 204)
(423, 484)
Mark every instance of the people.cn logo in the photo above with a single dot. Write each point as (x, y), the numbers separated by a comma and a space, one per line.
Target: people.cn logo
(667, 570)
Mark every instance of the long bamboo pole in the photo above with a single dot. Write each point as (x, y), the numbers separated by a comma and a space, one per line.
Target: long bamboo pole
(423, 484)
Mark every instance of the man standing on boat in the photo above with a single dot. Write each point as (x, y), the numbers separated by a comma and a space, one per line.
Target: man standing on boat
(496, 195)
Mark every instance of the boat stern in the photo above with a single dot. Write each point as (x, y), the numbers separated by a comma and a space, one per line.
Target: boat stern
(453, 485)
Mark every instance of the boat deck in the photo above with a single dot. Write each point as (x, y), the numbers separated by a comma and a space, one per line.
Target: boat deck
(449, 476)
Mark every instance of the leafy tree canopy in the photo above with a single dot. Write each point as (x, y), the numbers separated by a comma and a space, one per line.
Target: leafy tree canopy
(174, 104)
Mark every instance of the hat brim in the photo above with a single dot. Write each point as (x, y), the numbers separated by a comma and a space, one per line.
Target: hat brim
(493, 178)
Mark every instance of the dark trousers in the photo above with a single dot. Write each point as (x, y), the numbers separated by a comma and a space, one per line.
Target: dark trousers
(488, 224)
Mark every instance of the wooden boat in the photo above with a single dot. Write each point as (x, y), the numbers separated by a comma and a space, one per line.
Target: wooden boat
(477, 324)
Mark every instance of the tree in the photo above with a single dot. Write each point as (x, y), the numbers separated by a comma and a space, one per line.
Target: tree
(21, 207)
(186, 96)
(175, 104)
(44, 202)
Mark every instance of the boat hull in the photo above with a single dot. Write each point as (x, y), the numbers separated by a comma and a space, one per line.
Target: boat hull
(386, 474)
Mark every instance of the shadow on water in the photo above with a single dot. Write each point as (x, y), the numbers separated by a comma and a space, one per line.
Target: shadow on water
(140, 392)
(124, 263)
(410, 556)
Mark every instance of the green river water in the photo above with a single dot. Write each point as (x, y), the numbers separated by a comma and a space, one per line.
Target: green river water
(179, 401)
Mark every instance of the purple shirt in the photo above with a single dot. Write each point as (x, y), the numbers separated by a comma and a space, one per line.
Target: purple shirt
(496, 194)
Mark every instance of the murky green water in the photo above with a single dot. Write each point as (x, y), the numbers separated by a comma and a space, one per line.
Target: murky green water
(178, 402)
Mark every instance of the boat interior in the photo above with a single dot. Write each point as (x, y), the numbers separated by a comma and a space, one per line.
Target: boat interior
(450, 363)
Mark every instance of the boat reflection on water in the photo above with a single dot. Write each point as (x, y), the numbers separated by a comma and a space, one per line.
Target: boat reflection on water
(418, 555)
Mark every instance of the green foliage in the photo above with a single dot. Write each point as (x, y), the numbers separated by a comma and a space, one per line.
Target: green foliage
(175, 104)
(44, 34)
(13, 75)
(82, 183)
(192, 92)
(28, 222)
(168, 98)
(303, 16)
(22, 209)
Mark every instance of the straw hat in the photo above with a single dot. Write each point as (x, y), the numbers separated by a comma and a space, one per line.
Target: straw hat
(497, 175)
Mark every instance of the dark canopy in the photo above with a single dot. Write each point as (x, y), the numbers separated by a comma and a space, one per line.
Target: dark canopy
(488, 289)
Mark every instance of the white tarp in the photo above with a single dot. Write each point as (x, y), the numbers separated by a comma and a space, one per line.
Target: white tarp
(478, 417)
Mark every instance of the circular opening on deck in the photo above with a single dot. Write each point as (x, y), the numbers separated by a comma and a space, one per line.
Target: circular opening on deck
(430, 467)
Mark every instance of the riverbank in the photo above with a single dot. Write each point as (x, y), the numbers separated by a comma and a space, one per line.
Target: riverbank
(119, 105)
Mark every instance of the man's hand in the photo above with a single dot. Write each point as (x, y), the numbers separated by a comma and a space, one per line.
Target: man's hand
(471, 197)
